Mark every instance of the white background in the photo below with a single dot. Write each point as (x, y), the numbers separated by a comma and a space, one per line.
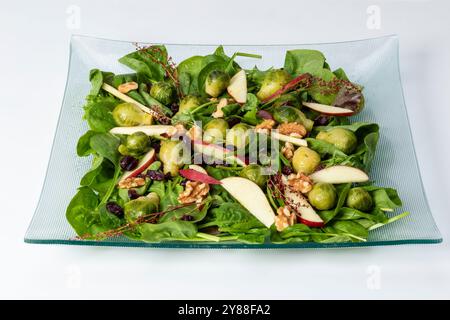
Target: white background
(33, 62)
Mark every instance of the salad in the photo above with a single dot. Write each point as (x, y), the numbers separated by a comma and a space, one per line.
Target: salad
(205, 150)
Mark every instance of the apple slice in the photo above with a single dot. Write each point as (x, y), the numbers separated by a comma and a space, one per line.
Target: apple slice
(251, 197)
(143, 164)
(197, 168)
(238, 87)
(196, 175)
(153, 131)
(295, 141)
(300, 204)
(217, 152)
(328, 110)
(339, 174)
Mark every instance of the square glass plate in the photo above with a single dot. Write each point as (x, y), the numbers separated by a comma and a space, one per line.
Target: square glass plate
(372, 63)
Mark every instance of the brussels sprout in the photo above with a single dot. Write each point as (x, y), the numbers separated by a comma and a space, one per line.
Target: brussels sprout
(189, 103)
(136, 143)
(359, 199)
(287, 114)
(215, 131)
(254, 172)
(322, 196)
(273, 81)
(163, 92)
(171, 155)
(216, 83)
(288, 99)
(238, 136)
(305, 160)
(141, 206)
(129, 115)
(341, 138)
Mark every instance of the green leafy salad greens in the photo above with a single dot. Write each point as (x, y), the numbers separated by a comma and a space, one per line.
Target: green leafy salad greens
(205, 150)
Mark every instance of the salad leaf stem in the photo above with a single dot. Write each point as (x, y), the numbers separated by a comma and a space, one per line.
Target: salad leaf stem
(390, 220)
(208, 236)
(111, 187)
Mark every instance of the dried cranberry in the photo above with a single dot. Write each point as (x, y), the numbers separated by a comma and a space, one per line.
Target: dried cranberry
(322, 120)
(233, 121)
(128, 163)
(114, 208)
(132, 194)
(187, 217)
(156, 145)
(174, 108)
(155, 175)
(287, 170)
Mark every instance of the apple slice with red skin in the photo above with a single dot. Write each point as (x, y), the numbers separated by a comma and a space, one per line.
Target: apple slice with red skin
(288, 86)
(339, 174)
(328, 110)
(238, 87)
(217, 152)
(251, 197)
(195, 175)
(300, 204)
(143, 164)
(197, 168)
(153, 130)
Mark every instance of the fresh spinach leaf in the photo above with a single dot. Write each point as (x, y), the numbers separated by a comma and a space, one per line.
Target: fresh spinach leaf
(168, 192)
(169, 230)
(98, 112)
(188, 71)
(148, 62)
(81, 211)
(351, 228)
(105, 145)
(83, 146)
(197, 214)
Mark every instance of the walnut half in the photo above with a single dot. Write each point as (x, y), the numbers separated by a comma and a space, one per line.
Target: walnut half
(292, 129)
(288, 150)
(300, 182)
(131, 183)
(194, 192)
(265, 126)
(285, 218)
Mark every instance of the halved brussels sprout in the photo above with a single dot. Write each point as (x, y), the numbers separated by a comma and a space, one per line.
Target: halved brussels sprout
(359, 199)
(171, 155)
(305, 160)
(343, 139)
(135, 144)
(254, 172)
(163, 92)
(273, 81)
(322, 196)
(129, 115)
(238, 136)
(216, 83)
(141, 206)
(189, 103)
(215, 131)
(287, 114)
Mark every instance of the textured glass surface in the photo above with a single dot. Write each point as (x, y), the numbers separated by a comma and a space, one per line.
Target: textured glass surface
(372, 63)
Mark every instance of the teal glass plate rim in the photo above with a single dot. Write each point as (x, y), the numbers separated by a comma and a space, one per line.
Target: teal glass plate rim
(125, 242)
